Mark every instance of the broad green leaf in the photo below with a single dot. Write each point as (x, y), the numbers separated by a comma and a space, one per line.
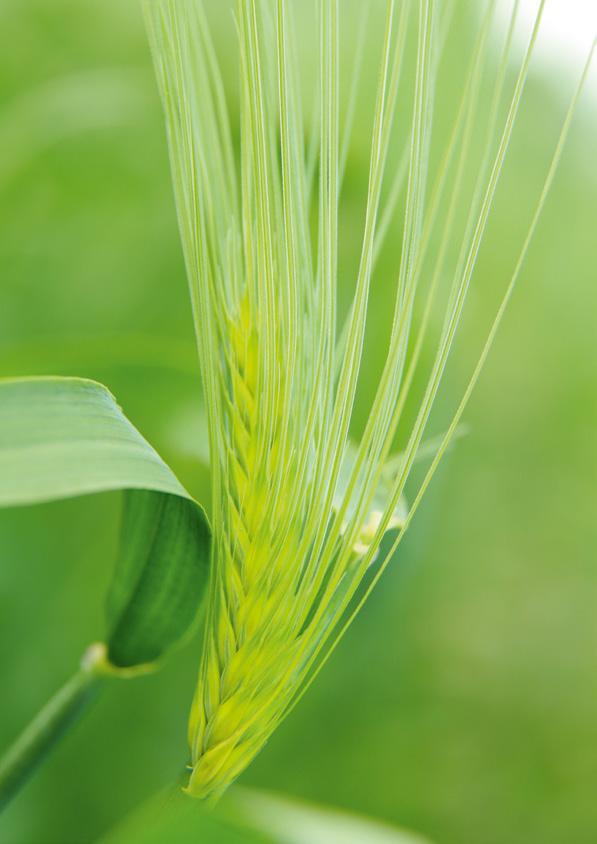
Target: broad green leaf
(173, 817)
(64, 437)
(294, 822)
(156, 591)
(250, 817)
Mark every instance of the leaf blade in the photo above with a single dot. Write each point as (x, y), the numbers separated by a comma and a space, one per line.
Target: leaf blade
(65, 437)
(248, 816)
(154, 598)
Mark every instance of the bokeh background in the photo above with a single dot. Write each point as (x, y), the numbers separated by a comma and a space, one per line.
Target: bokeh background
(463, 702)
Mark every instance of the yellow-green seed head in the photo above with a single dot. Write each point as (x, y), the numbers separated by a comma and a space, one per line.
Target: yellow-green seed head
(299, 512)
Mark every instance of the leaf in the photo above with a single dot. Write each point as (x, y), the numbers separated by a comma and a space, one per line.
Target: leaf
(249, 817)
(173, 817)
(294, 822)
(64, 437)
(156, 591)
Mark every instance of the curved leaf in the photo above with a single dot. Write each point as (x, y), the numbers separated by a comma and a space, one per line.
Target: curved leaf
(291, 821)
(250, 817)
(64, 437)
(156, 591)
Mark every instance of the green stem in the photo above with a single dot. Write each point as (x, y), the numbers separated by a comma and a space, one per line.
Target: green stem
(38, 738)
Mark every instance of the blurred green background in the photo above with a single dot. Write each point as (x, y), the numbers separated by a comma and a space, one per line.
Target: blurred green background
(463, 702)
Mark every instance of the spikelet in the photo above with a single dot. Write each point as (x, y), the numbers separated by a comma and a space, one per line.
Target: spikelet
(299, 512)
(249, 640)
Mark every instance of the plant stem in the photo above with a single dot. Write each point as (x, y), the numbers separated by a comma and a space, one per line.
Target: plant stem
(30, 748)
